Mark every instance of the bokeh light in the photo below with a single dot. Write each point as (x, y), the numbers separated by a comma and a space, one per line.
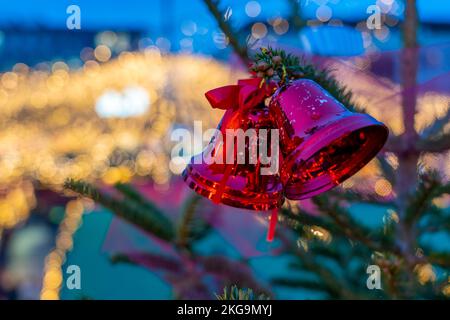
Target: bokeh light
(253, 9)
(259, 30)
(324, 13)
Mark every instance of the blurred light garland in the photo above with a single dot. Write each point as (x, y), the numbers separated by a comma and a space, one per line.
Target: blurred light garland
(51, 129)
(15, 204)
(53, 276)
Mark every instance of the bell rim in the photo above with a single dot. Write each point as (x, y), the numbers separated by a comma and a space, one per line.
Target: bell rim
(231, 199)
(347, 125)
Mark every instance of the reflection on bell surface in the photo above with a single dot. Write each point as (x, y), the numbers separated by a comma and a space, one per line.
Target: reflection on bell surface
(237, 181)
(322, 142)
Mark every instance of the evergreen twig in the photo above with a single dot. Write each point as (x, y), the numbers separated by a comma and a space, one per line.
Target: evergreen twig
(386, 168)
(281, 67)
(149, 260)
(151, 220)
(235, 293)
(430, 187)
(435, 145)
(191, 227)
(295, 18)
(350, 227)
(436, 127)
(354, 196)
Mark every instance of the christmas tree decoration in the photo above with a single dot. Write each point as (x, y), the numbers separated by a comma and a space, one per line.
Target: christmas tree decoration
(322, 142)
(217, 173)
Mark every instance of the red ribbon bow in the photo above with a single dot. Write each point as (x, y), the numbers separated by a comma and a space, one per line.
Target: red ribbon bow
(246, 94)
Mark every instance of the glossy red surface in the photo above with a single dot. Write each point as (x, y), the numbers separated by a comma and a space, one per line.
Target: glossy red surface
(322, 144)
(321, 141)
(237, 185)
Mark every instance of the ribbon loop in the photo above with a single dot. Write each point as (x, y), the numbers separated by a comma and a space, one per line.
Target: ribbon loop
(245, 95)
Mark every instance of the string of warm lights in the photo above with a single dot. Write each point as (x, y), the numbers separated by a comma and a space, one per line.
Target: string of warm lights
(16, 204)
(108, 121)
(53, 276)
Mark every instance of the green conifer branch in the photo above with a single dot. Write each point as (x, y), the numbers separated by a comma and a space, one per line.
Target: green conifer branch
(354, 196)
(435, 144)
(149, 219)
(190, 226)
(233, 39)
(149, 260)
(303, 283)
(441, 259)
(281, 67)
(386, 168)
(350, 227)
(429, 187)
(295, 18)
(437, 126)
(299, 221)
(337, 286)
(235, 293)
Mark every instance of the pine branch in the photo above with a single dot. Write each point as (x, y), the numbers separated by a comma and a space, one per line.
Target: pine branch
(334, 283)
(231, 272)
(435, 145)
(436, 220)
(149, 261)
(354, 196)
(235, 293)
(302, 283)
(338, 222)
(441, 259)
(191, 227)
(133, 195)
(281, 67)
(396, 144)
(304, 218)
(186, 283)
(436, 127)
(430, 187)
(241, 51)
(320, 258)
(153, 221)
(295, 18)
(351, 228)
(386, 168)
(330, 251)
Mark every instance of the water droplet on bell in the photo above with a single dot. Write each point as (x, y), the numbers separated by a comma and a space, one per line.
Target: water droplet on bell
(315, 115)
(362, 136)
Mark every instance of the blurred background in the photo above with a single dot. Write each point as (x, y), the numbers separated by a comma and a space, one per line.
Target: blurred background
(99, 104)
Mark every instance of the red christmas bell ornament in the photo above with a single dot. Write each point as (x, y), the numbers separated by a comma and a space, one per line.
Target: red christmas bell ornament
(227, 173)
(322, 142)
